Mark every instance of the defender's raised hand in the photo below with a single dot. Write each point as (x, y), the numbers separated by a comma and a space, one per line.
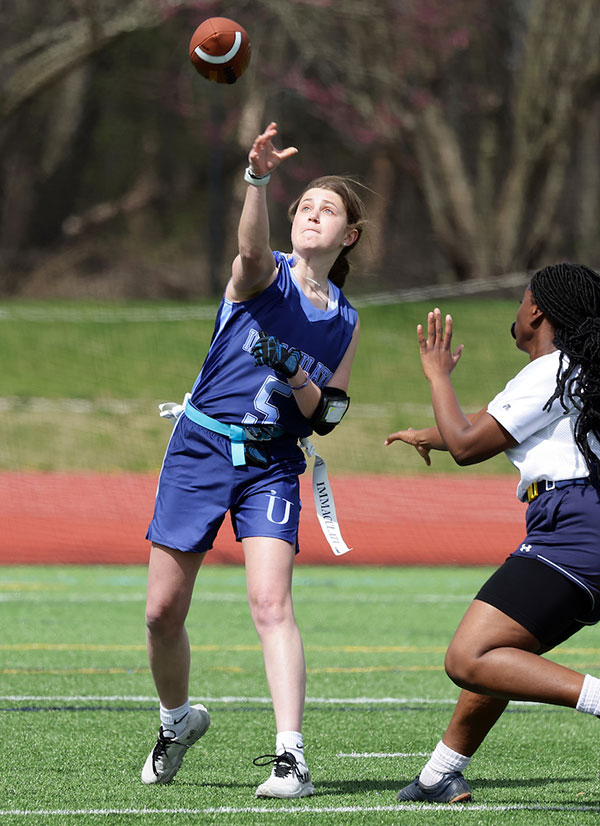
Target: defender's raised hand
(436, 356)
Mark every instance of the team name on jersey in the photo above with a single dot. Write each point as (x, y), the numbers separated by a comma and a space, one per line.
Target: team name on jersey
(318, 373)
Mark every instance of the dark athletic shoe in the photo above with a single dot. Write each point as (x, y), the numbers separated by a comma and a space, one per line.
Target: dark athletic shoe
(452, 788)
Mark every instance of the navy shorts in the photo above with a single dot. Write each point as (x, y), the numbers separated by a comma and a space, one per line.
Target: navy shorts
(563, 531)
(198, 484)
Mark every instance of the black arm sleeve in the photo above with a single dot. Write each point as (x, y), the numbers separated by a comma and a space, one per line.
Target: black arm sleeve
(330, 410)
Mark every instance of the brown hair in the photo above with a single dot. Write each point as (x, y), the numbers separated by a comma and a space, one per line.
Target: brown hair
(355, 215)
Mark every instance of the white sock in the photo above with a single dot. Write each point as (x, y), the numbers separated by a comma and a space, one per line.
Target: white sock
(290, 741)
(443, 760)
(589, 699)
(174, 719)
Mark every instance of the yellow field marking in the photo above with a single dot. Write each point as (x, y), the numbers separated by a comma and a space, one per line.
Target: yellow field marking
(233, 669)
(380, 649)
(342, 649)
(369, 669)
(345, 649)
(68, 646)
(30, 586)
(63, 671)
(372, 668)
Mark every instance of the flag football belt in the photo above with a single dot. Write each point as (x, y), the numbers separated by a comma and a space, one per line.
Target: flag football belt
(236, 433)
(323, 496)
(535, 488)
(239, 434)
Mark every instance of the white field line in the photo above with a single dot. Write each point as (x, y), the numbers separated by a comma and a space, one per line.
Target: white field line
(129, 698)
(369, 754)
(227, 700)
(286, 811)
(300, 597)
(106, 315)
(125, 407)
(117, 313)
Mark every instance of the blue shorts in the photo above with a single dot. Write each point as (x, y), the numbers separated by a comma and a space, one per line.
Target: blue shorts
(198, 484)
(563, 531)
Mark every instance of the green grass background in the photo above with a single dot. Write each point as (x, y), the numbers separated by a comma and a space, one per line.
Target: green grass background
(83, 395)
(73, 636)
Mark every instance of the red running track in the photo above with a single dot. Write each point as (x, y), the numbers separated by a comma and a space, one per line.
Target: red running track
(423, 520)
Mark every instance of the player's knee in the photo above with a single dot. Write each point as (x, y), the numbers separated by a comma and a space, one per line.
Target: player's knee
(269, 612)
(163, 619)
(462, 667)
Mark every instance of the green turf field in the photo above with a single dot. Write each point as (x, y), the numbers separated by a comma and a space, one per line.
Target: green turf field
(79, 714)
(80, 383)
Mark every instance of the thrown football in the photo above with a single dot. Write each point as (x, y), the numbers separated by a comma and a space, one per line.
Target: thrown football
(220, 50)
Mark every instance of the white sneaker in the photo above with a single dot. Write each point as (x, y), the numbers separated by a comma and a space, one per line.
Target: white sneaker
(288, 777)
(167, 755)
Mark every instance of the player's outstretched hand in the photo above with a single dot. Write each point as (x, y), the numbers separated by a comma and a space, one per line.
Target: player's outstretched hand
(270, 352)
(263, 157)
(436, 356)
(413, 437)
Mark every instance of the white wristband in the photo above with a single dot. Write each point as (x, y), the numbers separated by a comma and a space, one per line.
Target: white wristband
(256, 180)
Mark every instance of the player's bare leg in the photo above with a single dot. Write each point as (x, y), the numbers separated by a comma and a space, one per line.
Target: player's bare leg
(473, 718)
(171, 578)
(493, 654)
(494, 660)
(269, 567)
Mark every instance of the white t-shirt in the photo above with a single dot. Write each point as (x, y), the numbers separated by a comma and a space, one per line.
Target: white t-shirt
(547, 448)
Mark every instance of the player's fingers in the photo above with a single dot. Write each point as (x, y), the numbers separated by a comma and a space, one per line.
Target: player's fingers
(282, 154)
(262, 142)
(437, 323)
(279, 155)
(424, 453)
(261, 139)
(255, 156)
(400, 436)
(431, 328)
(458, 352)
(447, 331)
(269, 133)
(421, 336)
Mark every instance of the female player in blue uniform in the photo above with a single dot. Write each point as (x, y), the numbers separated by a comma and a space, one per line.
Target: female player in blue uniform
(547, 421)
(278, 367)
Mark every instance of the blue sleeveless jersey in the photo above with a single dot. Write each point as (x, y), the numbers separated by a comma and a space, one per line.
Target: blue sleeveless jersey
(231, 389)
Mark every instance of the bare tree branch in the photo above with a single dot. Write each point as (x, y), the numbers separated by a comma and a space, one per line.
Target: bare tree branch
(44, 58)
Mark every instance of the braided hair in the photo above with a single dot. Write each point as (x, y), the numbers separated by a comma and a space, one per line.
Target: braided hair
(569, 296)
(355, 213)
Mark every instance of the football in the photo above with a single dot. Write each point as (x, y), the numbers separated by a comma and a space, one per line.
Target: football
(220, 50)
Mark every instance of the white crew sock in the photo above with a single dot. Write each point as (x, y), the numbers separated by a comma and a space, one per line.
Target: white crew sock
(290, 741)
(589, 699)
(174, 719)
(443, 760)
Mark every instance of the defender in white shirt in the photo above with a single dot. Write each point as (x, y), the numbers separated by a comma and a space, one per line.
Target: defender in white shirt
(547, 421)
